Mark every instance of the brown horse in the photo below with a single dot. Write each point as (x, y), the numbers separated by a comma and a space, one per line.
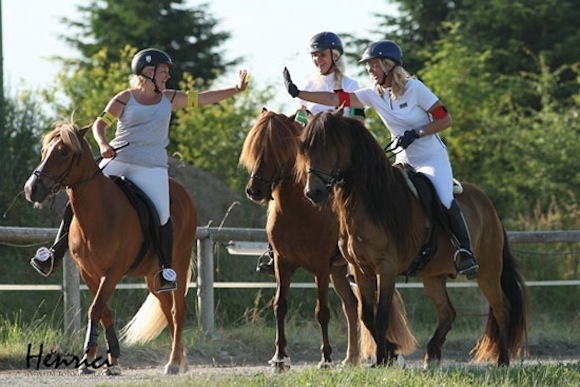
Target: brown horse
(302, 236)
(382, 229)
(105, 238)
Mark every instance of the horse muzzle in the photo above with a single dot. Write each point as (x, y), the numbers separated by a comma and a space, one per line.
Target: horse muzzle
(35, 190)
(317, 195)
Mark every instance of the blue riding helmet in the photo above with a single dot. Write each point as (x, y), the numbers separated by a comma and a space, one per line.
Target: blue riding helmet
(383, 49)
(324, 41)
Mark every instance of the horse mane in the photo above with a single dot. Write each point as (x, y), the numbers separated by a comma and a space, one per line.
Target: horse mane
(68, 132)
(274, 138)
(371, 182)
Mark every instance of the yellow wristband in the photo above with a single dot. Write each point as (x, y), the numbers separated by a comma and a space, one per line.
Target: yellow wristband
(107, 117)
(192, 99)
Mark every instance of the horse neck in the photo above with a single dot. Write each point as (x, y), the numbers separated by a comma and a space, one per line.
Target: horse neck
(91, 190)
(288, 191)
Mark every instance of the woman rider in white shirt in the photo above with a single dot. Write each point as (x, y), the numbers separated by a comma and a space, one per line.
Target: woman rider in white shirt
(414, 114)
(326, 51)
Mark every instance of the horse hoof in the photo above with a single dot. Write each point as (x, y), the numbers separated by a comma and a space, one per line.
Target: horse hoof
(280, 365)
(171, 369)
(114, 370)
(324, 365)
(431, 364)
(84, 370)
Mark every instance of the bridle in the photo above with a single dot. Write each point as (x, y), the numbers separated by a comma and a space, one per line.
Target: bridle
(330, 179)
(271, 183)
(59, 181)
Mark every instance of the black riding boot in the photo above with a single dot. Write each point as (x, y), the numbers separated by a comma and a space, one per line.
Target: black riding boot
(464, 260)
(266, 267)
(167, 275)
(46, 261)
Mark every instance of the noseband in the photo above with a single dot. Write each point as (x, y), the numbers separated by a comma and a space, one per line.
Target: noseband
(330, 179)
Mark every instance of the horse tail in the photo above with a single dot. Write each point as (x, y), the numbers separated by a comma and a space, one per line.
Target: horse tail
(398, 331)
(149, 321)
(515, 291)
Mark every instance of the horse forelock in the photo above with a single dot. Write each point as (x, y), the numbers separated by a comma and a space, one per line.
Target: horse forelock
(65, 131)
(273, 140)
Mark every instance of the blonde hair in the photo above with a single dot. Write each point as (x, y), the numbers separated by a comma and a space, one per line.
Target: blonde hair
(400, 78)
(137, 81)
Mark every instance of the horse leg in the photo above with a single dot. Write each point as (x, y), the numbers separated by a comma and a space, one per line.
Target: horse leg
(386, 350)
(113, 347)
(349, 308)
(436, 290)
(102, 292)
(323, 316)
(494, 343)
(174, 309)
(367, 287)
(281, 360)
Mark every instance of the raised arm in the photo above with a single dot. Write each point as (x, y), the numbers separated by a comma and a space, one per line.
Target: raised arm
(339, 98)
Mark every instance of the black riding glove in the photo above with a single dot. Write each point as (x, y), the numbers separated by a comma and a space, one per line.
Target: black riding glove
(408, 137)
(290, 86)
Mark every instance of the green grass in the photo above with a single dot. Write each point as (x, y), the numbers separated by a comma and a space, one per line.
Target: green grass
(250, 345)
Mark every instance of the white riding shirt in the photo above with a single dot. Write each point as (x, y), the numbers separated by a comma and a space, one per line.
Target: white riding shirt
(409, 111)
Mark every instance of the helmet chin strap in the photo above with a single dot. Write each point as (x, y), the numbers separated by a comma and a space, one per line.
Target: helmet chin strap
(152, 79)
(332, 65)
(385, 76)
(330, 68)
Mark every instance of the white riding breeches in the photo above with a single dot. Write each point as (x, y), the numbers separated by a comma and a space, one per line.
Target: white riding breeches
(437, 168)
(153, 181)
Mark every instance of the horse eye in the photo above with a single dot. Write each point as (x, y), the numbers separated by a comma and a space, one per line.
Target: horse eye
(63, 152)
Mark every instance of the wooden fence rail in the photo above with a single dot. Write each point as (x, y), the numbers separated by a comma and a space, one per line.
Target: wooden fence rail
(206, 237)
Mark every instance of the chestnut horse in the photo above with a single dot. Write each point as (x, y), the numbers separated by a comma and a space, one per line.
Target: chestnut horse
(105, 239)
(382, 230)
(302, 236)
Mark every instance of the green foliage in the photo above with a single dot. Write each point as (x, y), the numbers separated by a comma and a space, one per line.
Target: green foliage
(188, 35)
(521, 155)
(23, 123)
(211, 137)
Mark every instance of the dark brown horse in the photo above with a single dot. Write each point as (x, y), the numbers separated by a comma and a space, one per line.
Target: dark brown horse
(382, 229)
(302, 236)
(104, 241)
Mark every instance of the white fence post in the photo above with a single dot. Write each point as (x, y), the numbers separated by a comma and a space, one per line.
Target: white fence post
(71, 296)
(205, 283)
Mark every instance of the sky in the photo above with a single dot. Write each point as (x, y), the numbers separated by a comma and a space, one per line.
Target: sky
(266, 34)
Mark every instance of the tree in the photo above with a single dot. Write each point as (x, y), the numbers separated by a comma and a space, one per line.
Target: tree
(189, 36)
(24, 121)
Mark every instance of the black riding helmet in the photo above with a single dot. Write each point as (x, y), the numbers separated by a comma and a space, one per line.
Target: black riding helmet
(383, 49)
(149, 57)
(325, 40)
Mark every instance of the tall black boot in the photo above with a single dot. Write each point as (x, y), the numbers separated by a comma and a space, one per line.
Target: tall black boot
(464, 260)
(46, 261)
(167, 275)
(266, 267)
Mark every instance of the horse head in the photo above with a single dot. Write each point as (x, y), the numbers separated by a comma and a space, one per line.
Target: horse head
(324, 155)
(268, 153)
(61, 154)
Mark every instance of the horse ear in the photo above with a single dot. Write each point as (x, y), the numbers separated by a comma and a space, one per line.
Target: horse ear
(264, 110)
(84, 130)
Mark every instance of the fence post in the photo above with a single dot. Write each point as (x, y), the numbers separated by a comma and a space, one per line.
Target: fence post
(205, 294)
(71, 296)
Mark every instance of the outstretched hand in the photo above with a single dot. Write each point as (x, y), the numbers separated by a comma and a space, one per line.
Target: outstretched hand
(243, 79)
(290, 86)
